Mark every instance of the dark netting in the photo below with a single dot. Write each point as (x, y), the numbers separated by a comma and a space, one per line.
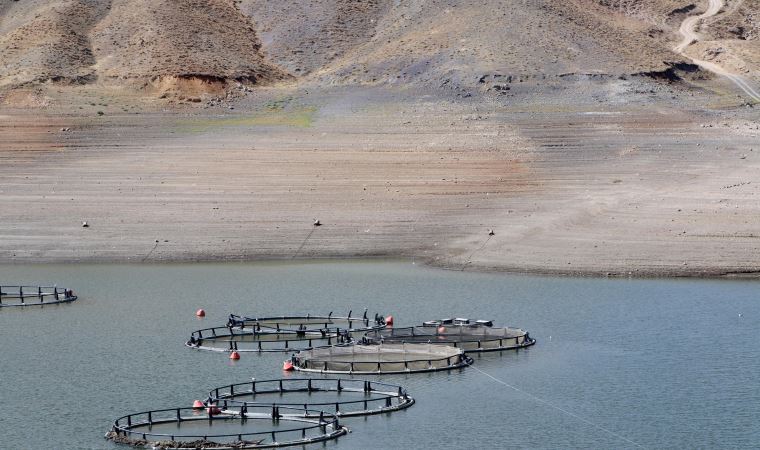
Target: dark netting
(380, 359)
(34, 295)
(308, 322)
(344, 397)
(470, 338)
(243, 426)
(243, 339)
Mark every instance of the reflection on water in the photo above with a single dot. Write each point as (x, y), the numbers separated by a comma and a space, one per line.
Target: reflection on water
(656, 363)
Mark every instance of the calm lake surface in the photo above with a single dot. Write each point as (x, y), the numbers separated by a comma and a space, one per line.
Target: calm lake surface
(618, 363)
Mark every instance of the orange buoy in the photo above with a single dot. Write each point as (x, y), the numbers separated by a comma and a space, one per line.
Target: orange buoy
(200, 313)
(389, 321)
(234, 356)
(198, 404)
(287, 366)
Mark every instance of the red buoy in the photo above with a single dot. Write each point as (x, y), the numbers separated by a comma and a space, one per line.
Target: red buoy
(234, 356)
(389, 321)
(213, 410)
(287, 366)
(198, 404)
(200, 313)
(441, 329)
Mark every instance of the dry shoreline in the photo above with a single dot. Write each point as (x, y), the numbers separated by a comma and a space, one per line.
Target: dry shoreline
(587, 190)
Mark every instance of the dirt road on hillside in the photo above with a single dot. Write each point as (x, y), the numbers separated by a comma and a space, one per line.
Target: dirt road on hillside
(690, 36)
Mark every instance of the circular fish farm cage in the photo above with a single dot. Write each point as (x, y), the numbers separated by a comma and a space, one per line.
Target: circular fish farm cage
(469, 338)
(34, 295)
(343, 397)
(232, 339)
(380, 359)
(245, 426)
(308, 323)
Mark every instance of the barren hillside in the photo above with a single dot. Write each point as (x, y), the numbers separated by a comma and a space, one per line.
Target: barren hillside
(453, 44)
(43, 40)
(84, 40)
(732, 38)
(142, 38)
(439, 42)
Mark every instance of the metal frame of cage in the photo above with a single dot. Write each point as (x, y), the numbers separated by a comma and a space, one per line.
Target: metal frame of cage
(468, 338)
(414, 358)
(283, 341)
(319, 427)
(386, 397)
(304, 323)
(35, 295)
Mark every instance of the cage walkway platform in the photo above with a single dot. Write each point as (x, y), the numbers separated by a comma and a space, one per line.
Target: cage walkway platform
(308, 322)
(285, 426)
(380, 359)
(349, 397)
(11, 296)
(241, 339)
(467, 337)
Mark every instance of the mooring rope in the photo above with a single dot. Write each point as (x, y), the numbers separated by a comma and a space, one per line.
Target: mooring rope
(469, 258)
(150, 252)
(303, 243)
(551, 405)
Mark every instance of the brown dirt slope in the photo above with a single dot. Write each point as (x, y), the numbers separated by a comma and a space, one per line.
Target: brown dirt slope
(457, 42)
(732, 38)
(729, 39)
(41, 40)
(305, 35)
(144, 38)
(79, 40)
(434, 43)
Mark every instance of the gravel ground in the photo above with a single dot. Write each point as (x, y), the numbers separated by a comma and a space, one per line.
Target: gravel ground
(640, 188)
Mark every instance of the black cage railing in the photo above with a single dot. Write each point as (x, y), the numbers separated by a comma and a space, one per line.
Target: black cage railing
(34, 295)
(469, 339)
(315, 426)
(380, 359)
(376, 397)
(229, 339)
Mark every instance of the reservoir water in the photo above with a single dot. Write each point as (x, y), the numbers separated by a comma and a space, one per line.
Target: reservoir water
(618, 364)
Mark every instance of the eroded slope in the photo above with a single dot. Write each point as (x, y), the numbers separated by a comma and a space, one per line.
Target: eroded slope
(43, 40)
(84, 40)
